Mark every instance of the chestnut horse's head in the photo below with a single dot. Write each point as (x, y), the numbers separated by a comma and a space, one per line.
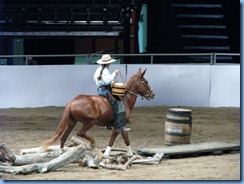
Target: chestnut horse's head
(139, 85)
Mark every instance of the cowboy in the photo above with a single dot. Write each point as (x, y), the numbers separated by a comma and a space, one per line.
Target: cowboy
(104, 79)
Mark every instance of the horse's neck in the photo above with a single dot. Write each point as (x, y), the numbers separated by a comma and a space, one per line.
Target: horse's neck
(130, 99)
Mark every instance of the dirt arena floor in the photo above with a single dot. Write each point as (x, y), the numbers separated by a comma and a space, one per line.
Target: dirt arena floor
(29, 127)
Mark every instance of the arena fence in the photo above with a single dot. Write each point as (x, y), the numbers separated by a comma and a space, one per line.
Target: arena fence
(207, 85)
(166, 58)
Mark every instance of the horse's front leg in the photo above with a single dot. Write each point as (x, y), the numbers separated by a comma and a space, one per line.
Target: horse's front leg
(111, 142)
(127, 143)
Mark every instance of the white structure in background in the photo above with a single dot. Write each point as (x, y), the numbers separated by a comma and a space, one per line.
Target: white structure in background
(174, 85)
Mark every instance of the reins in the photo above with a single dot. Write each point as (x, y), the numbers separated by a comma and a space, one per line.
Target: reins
(132, 93)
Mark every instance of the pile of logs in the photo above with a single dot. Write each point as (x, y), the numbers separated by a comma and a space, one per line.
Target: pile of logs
(40, 160)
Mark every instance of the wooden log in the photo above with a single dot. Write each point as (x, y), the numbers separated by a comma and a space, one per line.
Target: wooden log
(36, 158)
(94, 162)
(41, 150)
(79, 141)
(156, 159)
(117, 151)
(195, 148)
(69, 156)
(105, 164)
(83, 162)
(19, 169)
(92, 157)
(7, 157)
(130, 161)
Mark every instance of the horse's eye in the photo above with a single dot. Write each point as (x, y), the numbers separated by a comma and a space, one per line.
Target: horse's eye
(144, 82)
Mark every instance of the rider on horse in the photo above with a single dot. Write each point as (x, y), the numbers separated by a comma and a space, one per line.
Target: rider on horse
(104, 79)
(93, 110)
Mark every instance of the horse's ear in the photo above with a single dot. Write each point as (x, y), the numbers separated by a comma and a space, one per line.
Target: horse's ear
(143, 73)
(139, 72)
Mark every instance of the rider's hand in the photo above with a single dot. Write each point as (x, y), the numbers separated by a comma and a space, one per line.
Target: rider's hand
(116, 72)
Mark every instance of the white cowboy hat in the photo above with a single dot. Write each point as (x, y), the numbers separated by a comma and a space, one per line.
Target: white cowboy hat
(106, 59)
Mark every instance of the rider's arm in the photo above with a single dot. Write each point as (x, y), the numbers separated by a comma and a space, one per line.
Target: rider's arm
(107, 77)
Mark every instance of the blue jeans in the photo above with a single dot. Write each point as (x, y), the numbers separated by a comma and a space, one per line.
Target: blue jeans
(103, 92)
(117, 107)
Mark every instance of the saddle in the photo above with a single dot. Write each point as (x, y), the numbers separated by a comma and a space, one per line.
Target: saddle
(119, 119)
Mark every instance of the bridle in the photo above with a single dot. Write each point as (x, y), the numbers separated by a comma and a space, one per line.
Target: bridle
(132, 93)
(147, 88)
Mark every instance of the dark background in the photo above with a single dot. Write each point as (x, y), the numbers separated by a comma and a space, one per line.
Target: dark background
(174, 26)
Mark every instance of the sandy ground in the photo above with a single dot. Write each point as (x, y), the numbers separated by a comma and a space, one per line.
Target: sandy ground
(29, 127)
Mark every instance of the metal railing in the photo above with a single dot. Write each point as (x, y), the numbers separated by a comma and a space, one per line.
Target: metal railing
(213, 58)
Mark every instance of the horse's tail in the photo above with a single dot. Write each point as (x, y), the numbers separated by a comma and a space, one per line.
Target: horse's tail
(61, 128)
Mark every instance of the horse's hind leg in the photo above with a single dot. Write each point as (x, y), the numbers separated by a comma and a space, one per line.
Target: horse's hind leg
(70, 127)
(82, 133)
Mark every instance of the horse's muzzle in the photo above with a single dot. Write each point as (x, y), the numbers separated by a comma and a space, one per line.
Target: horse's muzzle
(150, 95)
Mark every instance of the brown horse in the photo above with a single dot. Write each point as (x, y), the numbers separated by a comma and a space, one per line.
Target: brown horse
(96, 110)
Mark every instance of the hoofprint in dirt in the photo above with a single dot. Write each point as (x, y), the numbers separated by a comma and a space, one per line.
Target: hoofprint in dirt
(29, 127)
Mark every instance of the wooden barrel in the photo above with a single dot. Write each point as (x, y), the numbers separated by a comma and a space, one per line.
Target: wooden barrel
(178, 126)
(118, 89)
